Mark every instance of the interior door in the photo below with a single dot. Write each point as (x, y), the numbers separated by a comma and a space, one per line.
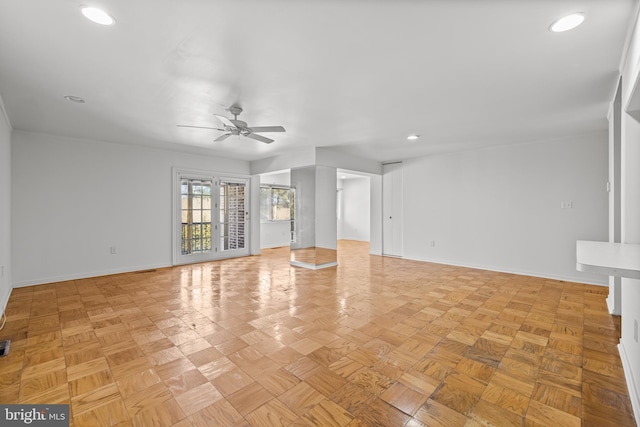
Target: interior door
(392, 209)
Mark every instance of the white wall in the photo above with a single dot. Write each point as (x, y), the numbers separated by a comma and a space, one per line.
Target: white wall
(325, 195)
(5, 208)
(354, 209)
(73, 199)
(304, 180)
(630, 227)
(499, 208)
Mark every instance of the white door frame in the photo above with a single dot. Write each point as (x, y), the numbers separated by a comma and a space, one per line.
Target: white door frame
(216, 253)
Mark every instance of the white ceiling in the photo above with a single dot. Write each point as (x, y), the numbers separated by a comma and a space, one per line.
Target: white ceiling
(355, 76)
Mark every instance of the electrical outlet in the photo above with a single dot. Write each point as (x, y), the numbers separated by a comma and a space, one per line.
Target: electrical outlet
(566, 205)
(113, 250)
(432, 243)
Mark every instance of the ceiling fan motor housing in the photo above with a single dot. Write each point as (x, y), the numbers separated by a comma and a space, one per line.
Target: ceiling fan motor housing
(235, 110)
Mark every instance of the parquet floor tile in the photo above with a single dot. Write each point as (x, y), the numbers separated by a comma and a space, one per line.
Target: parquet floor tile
(373, 342)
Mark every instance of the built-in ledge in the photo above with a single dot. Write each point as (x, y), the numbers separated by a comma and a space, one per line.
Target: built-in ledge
(609, 259)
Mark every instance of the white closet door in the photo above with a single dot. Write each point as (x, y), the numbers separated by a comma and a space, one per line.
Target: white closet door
(392, 209)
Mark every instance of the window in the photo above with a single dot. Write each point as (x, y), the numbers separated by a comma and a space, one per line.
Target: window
(276, 203)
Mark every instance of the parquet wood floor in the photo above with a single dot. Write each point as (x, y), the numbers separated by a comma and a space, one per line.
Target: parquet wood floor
(374, 342)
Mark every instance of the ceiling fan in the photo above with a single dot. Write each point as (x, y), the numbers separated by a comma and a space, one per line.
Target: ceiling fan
(238, 127)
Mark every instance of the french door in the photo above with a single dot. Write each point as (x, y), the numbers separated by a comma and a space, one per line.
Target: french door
(211, 220)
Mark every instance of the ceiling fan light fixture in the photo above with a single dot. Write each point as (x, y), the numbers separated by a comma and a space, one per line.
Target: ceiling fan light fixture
(98, 16)
(75, 99)
(567, 23)
(413, 137)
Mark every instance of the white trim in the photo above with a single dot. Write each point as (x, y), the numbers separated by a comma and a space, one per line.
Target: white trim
(611, 305)
(514, 271)
(313, 266)
(634, 396)
(178, 173)
(89, 275)
(275, 245)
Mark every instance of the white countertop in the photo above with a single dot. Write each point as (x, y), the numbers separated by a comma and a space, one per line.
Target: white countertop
(610, 259)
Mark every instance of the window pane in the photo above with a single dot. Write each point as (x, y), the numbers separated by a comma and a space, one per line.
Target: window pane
(206, 202)
(275, 203)
(195, 231)
(197, 217)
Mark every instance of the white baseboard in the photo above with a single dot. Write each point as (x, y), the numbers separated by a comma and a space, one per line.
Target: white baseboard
(86, 275)
(313, 266)
(634, 396)
(275, 245)
(573, 279)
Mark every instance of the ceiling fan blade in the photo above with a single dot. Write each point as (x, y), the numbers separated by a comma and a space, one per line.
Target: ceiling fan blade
(198, 127)
(225, 121)
(222, 137)
(267, 129)
(259, 138)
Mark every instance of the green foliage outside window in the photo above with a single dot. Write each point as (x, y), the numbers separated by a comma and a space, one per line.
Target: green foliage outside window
(277, 203)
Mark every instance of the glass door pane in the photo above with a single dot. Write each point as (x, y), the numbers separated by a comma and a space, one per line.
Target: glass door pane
(211, 218)
(233, 210)
(195, 208)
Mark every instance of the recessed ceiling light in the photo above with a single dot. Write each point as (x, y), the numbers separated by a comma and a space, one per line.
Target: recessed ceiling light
(413, 137)
(74, 99)
(567, 23)
(98, 16)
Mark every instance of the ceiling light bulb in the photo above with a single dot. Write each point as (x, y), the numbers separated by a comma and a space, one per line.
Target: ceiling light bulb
(567, 23)
(413, 137)
(98, 16)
